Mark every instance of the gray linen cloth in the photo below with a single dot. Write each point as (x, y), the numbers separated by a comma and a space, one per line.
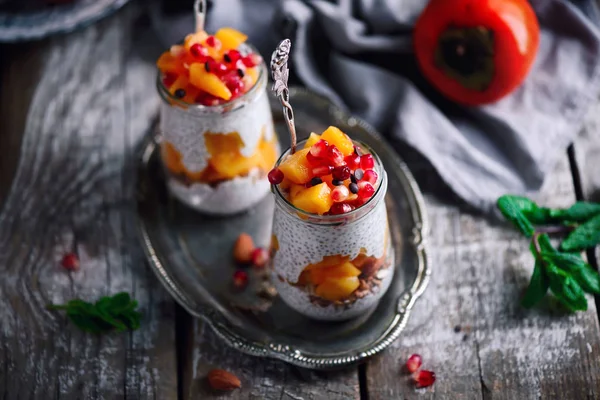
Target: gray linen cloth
(359, 54)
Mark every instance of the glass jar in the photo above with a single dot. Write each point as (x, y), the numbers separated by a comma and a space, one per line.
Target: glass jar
(333, 267)
(217, 157)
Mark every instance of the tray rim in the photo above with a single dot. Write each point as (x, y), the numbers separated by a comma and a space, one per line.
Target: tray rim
(287, 353)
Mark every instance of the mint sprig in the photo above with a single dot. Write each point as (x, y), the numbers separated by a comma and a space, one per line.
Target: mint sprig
(109, 313)
(561, 270)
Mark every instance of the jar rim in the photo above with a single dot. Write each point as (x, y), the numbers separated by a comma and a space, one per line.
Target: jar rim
(356, 213)
(167, 97)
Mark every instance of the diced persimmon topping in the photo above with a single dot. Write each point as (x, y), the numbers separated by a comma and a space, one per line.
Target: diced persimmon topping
(214, 68)
(336, 277)
(334, 164)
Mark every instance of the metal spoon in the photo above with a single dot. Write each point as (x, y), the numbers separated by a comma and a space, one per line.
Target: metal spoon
(280, 73)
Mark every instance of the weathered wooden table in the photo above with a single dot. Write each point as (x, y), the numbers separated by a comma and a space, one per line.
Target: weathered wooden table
(73, 108)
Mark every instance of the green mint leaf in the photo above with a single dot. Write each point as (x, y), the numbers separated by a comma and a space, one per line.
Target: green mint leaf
(566, 289)
(578, 212)
(584, 236)
(538, 286)
(512, 209)
(108, 313)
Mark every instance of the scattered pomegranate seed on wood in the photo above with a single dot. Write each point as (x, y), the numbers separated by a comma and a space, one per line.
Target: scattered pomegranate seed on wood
(424, 378)
(260, 257)
(240, 279)
(414, 363)
(220, 379)
(243, 248)
(70, 262)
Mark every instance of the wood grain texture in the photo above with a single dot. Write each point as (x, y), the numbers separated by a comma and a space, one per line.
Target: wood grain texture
(262, 379)
(73, 191)
(469, 326)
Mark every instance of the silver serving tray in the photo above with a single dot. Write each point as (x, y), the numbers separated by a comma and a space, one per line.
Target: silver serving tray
(192, 256)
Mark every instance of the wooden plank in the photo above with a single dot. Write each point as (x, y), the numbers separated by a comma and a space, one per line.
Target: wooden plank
(262, 379)
(469, 326)
(73, 191)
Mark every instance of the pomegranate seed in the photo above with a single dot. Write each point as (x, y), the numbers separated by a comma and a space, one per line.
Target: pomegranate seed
(216, 67)
(213, 41)
(367, 162)
(335, 156)
(198, 51)
(252, 60)
(233, 81)
(339, 194)
(320, 149)
(365, 190)
(414, 363)
(207, 99)
(70, 262)
(275, 176)
(169, 79)
(370, 176)
(352, 161)
(341, 173)
(232, 56)
(240, 279)
(321, 170)
(340, 208)
(424, 378)
(260, 257)
(359, 174)
(317, 162)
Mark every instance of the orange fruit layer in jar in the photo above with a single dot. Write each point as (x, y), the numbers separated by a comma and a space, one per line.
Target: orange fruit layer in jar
(331, 175)
(209, 69)
(337, 277)
(225, 160)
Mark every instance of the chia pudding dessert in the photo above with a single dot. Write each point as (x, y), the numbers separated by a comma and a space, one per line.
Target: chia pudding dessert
(332, 252)
(218, 140)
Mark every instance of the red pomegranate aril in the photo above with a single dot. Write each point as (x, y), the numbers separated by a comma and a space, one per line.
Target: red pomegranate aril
(233, 56)
(169, 79)
(213, 41)
(217, 67)
(260, 257)
(70, 262)
(207, 99)
(367, 162)
(321, 170)
(340, 208)
(341, 173)
(365, 190)
(424, 378)
(352, 161)
(252, 60)
(240, 279)
(198, 51)
(275, 176)
(335, 156)
(370, 176)
(320, 149)
(340, 193)
(414, 363)
(317, 162)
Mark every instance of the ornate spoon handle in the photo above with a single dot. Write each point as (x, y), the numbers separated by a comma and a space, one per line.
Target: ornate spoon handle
(200, 14)
(280, 73)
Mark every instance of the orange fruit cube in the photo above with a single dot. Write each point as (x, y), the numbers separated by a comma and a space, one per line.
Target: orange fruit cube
(230, 38)
(328, 261)
(172, 158)
(336, 137)
(296, 167)
(334, 289)
(208, 82)
(316, 199)
(295, 189)
(180, 83)
(168, 63)
(312, 139)
(319, 275)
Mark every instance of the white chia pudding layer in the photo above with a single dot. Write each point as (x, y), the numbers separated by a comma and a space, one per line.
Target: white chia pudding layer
(302, 243)
(185, 128)
(228, 197)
